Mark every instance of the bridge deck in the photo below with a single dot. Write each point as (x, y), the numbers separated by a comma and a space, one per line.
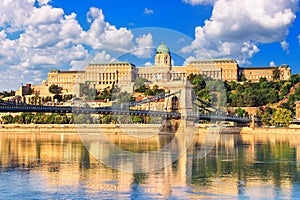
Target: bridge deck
(110, 110)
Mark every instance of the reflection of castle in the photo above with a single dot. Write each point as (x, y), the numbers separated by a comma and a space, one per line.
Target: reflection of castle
(226, 171)
(121, 73)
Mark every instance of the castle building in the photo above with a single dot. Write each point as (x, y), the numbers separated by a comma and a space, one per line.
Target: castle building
(106, 74)
(162, 66)
(66, 79)
(223, 69)
(103, 75)
(255, 73)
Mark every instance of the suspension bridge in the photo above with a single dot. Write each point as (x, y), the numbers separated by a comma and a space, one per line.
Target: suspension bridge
(179, 104)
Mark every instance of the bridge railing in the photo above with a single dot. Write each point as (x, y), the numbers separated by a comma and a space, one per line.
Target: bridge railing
(7, 107)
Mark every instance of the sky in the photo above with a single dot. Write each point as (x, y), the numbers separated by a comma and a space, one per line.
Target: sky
(39, 35)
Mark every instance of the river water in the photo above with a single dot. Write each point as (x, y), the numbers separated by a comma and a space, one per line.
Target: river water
(57, 166)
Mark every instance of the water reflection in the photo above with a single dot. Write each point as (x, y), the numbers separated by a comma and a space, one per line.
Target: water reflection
(59, 166)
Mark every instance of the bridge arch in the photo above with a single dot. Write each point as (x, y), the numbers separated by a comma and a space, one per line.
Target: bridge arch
(174, 104)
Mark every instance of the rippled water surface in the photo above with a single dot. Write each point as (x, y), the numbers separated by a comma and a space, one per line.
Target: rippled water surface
(56, 166)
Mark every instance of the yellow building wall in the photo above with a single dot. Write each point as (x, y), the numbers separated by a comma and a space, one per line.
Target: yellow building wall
(255, 73)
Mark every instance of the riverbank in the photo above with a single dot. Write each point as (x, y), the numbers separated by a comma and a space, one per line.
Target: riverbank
(130, 128)
(79, 128)
(247, 130)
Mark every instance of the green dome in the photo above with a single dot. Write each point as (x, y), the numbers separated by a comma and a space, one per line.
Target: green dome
(162, 49)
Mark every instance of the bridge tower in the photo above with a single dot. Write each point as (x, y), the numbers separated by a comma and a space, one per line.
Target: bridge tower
(180, 102)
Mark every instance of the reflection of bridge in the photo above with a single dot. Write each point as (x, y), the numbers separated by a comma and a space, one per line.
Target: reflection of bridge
(178, 105)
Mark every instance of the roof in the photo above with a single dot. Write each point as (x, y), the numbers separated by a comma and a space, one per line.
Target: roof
(66, 71)
(162, 49)
(111, 63)
(139, 98)
(257, 68)
(214, 60)
(72, 71)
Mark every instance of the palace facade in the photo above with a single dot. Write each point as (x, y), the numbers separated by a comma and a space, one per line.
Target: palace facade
(102, 75)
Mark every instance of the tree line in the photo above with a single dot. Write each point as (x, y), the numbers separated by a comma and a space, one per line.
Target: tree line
(37, 118)
(55, 118)
(265, 95)
(247, 94)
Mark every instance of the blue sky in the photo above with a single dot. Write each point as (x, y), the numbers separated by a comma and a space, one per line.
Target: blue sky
(39, 35)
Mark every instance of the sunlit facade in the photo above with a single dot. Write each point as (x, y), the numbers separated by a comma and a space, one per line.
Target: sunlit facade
(65, 79)
(103, 75)
(255, 73)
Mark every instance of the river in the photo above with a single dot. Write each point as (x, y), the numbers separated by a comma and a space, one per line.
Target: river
(63, 166)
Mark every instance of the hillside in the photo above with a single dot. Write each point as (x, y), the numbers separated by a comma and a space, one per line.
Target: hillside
(286, 98)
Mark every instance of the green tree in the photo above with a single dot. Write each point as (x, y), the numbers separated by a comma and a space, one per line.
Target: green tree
(87, 92)
(204, 94)
(149, 92)
(295, 78)
(105, 94)
(233, 85)
(243, 78)
(285, 89)
(67, 97)
(276, 74)
(8, 119)
(8, 94)
(18, 119)
(139, 81)
(157, 91)
(241, 112)
(106, 119)
(271, 96)
(141, 88)
(136, 119)
(282, 117)
(27, 118)
(198, 82)
(266, 119)
(55, 89)
(82, 119)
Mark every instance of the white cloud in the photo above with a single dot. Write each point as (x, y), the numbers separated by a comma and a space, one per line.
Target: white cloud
(103, 56)
(237, 27)
(148, 64)
(77, 52)
(44, 2)
(145, 46)
(103, 35)
(39, 36)
(2, 35)
(22, 13)
(188, 60)
(14, 13)
(284, 45)
(70, 27)
(47, 38)
(38, 59)
(46, 41)
(198, 2)
(148, 11)
(299, 38)
(44, 15)
(272, 64)
(172, 62)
